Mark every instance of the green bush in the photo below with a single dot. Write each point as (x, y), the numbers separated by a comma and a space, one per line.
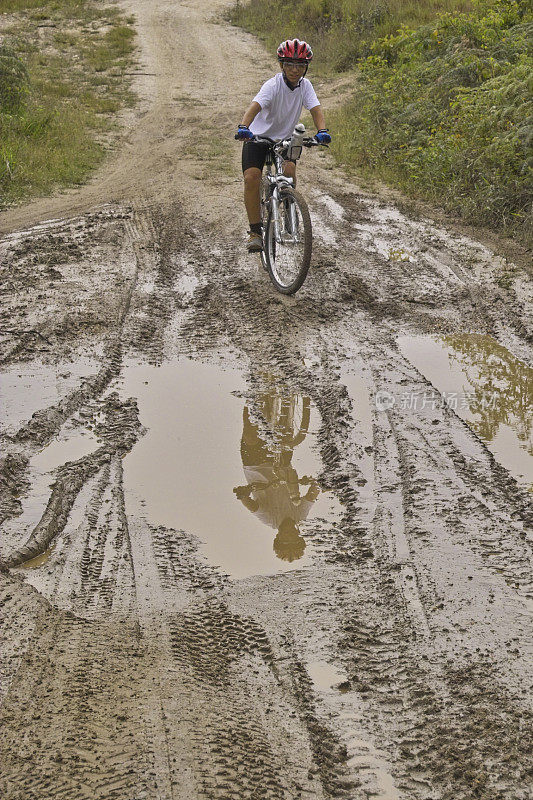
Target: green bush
(445, 112)
(13, 81)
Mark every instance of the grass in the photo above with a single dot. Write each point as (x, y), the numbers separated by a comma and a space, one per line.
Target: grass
(441, 104)
(69, 58)
(340, 31)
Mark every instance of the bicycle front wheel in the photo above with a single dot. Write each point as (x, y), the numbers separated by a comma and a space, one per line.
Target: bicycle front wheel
(265, 196)
(288, 242)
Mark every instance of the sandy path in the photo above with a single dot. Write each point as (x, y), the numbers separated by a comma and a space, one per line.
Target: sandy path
(196, 75)
(173, 643)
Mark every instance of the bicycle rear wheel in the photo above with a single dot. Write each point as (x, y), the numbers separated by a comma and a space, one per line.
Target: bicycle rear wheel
(288, 245)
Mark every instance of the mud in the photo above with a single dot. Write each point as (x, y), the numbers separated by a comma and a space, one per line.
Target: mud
(231, 566)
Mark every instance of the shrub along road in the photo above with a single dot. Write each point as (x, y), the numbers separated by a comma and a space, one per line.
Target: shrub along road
(363, 631)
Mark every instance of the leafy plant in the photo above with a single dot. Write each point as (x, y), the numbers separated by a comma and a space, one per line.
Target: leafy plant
(445, 112)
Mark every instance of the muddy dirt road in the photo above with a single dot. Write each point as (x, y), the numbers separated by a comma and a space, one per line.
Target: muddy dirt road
(256, 546)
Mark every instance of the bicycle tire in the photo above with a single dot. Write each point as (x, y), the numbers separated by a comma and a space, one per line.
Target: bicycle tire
(265, 195)
(295, 247)
(303, 425)
(299, 417)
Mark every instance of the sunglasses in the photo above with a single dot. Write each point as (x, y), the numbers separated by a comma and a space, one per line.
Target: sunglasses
(299, 65)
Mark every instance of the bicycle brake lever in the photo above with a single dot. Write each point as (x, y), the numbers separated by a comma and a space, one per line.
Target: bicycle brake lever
(313, 143)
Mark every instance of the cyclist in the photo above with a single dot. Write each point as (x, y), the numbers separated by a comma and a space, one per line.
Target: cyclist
(273, 113)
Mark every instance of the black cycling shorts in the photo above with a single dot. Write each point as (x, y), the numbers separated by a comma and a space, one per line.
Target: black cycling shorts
(254, 155)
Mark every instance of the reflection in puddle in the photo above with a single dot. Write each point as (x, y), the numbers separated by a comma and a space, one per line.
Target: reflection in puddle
(186, 473)
(487, 386)
(274, 493)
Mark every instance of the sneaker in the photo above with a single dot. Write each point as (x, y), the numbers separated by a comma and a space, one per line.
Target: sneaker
(255, 242)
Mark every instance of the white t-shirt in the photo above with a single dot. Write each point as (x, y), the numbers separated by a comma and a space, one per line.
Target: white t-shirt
(275, 502)
(281, 107)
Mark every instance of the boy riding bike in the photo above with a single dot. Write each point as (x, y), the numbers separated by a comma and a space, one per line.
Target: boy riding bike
(273, 113)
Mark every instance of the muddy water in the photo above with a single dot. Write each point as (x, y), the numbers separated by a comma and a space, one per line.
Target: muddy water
(71, 444)
(63, 449)
(487, 386)
(358, 392)
(325, 676)
(26, 388)
(38, 561)
(239, 475)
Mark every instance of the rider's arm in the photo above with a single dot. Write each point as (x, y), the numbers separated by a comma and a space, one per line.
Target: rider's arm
(250, 503)
(318, 118)
(250, 114)
(312, 493)
(243, 494)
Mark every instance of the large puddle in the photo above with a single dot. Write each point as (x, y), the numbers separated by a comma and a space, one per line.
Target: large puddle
(239, 475)
(486, 385)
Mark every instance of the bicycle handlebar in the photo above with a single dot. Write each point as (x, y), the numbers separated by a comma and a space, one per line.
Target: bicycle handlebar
(308, 141)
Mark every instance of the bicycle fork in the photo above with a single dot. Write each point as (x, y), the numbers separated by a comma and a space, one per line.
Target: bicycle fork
(275, 203)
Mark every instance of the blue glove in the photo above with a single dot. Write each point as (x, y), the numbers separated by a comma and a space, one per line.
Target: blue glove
(244, 133)
(323, 137)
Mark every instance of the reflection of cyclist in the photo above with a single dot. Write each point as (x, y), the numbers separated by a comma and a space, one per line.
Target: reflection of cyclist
(273, 489)
(273, 113)
(288, 544)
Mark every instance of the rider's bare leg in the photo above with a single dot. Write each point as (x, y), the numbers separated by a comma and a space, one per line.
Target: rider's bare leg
(289, 169)
(252, 188)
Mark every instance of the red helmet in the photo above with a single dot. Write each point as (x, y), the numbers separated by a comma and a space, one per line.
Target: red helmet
(295, 50)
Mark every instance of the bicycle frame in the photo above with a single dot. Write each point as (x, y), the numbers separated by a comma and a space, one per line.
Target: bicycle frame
(277, 180)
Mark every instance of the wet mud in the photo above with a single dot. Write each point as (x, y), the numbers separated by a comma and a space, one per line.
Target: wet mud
(256, 546)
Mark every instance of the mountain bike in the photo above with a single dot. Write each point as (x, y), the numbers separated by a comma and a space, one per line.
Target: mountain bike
(287, 231)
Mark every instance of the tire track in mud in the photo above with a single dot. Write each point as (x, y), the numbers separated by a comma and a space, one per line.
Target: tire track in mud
(121, 436)
(88, 673)
(94, 583)
(215, 698)
(106, 565)
(226, 751)
(441, 717)
(252, 735)
(236, 758)
(162, 677)
(45, 425)
(420, 266)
